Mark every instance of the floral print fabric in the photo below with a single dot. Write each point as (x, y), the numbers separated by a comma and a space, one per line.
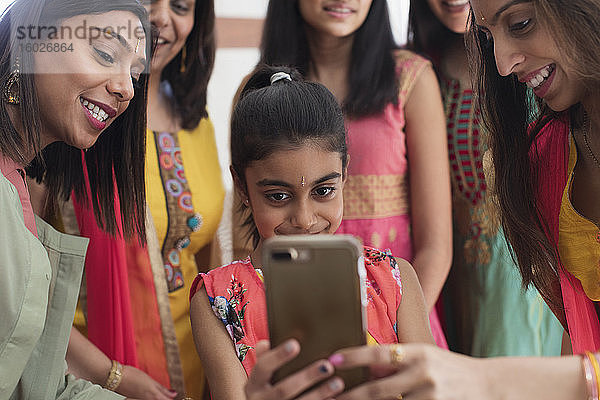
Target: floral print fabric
(236, 294)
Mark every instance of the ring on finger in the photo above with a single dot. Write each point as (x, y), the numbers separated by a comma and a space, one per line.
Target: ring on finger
(396, 356)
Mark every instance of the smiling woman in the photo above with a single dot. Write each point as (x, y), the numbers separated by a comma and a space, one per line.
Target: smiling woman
(47, 86)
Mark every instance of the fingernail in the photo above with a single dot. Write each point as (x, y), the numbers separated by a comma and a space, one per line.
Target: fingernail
(335, 385)
(336, 359)
(323, 369)
(290, 346)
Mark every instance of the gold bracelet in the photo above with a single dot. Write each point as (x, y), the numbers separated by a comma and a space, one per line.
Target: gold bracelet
(114, 376)
(596, 368)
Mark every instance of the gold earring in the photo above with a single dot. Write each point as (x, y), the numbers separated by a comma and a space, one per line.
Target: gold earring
(182, 67)
(11, 89)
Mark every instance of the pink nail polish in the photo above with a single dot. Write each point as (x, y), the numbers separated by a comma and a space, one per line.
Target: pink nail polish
(336, 359)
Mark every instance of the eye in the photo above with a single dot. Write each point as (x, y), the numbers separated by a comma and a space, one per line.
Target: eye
(520, 27)
(104, 56)
(180, 7)
(277, 197)
(324, 191)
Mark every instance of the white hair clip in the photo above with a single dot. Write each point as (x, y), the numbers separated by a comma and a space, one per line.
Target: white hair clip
(277, 76)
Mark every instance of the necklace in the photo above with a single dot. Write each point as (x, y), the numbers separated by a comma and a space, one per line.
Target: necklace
(586, 129)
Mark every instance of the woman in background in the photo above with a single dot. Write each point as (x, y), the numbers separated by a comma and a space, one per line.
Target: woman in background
(489, 314)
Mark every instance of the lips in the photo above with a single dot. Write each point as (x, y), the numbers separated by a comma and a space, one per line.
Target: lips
(455, 6)
(98, 113)
(540, 79)
(338, 9)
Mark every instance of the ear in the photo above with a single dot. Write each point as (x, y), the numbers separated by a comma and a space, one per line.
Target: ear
(345, 171)
(239, 186)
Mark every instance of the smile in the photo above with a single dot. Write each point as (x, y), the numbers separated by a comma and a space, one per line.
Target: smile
(541, 77)
(94, 110)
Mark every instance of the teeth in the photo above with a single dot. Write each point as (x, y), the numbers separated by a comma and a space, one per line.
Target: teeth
(339, 10)
(95, 111)
(540, 77)
(457, 3)
(161, 41)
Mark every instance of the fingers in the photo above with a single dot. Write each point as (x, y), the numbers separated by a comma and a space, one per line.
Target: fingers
(395, 356)
(326, 390)
(270, 360)
(259, 386)
(297, 383)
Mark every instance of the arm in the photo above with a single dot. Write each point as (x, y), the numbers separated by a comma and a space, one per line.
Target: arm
(429, 372)
(412, 316)
(429, 176)
(86, 361)
(226, 375)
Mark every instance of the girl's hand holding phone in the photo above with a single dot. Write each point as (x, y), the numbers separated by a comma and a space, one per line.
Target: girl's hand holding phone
(259, 385)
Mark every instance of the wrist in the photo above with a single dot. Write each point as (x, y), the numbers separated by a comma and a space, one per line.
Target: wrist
(114, 376)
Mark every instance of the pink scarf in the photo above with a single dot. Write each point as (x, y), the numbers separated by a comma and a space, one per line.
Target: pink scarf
(109, 318)
(551, 161)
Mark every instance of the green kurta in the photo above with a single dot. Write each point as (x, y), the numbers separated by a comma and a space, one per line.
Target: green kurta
(38, 293)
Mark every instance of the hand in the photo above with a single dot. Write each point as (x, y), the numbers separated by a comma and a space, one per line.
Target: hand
(419, 372)
(259, 385)
(139, 385)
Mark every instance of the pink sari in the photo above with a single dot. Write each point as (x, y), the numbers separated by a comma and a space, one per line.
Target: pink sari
(550, 158)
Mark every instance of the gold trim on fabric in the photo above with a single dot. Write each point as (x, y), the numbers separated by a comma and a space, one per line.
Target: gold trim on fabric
(375, 196)
(174, 367)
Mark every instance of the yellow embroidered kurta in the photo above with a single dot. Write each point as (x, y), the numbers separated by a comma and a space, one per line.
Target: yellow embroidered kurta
(203, 174)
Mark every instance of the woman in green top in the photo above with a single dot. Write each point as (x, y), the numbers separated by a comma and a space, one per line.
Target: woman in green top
(72, 77)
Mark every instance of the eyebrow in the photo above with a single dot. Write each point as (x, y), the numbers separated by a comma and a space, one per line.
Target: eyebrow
(505, 7)
(273, 182)
(121, 40)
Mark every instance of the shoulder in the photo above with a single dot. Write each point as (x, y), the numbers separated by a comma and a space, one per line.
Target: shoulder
(409, 68)
(218, 280)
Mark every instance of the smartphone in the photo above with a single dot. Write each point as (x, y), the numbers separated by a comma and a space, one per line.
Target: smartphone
(315, 293)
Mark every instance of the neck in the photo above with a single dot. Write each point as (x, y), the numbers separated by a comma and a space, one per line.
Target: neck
(14, 114)
(256, 256)
(160, 112)
(330, 61)
(454, 62)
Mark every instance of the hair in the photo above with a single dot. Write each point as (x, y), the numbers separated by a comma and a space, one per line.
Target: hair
(282, 116)
(117, 158)
(427, 35)
(372, 76)
(189, 87)
(507, 114)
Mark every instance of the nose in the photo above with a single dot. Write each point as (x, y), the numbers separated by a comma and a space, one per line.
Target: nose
(121, 86)
(159, 14)
(507, 57)
(304, 215)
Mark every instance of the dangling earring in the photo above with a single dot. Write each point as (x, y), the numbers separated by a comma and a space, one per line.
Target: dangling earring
(183, 60)
(11, 89)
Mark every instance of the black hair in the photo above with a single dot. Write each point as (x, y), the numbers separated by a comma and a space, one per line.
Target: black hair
(427, 35)
(190, 85)
(282, 116)
(115, 160)
(372, 77)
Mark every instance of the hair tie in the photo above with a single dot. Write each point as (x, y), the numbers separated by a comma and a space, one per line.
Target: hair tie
(277, 76)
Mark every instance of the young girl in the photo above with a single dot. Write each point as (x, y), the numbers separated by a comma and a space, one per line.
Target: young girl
(397, 191)
(289, 162)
